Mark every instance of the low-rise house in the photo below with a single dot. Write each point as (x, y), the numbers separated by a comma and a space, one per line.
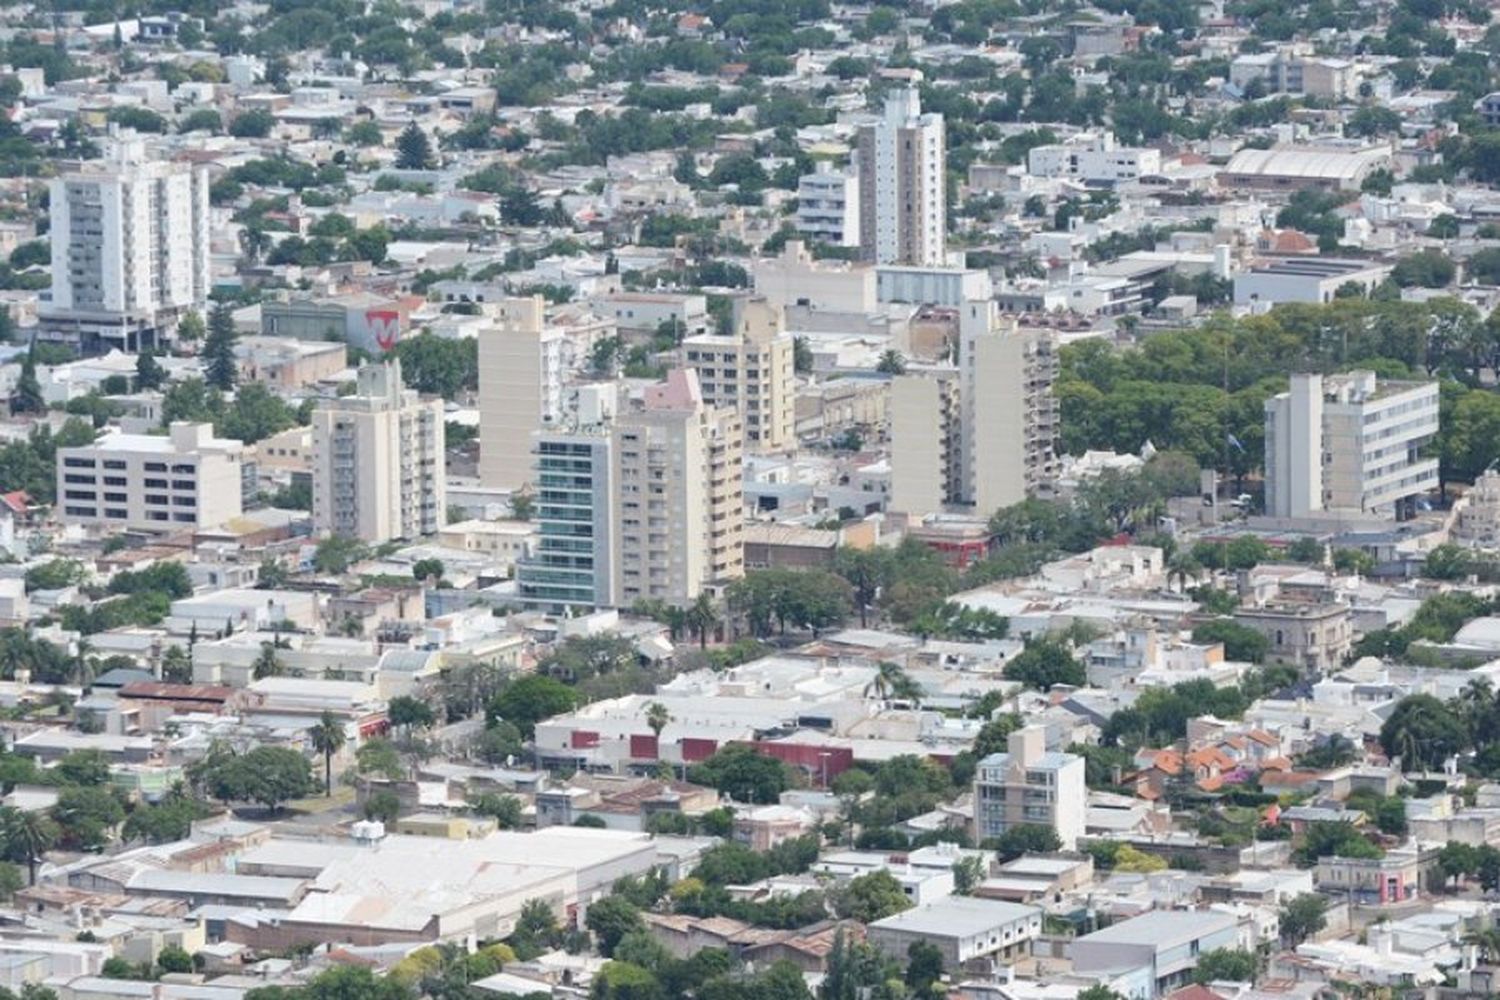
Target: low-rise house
(973, 934)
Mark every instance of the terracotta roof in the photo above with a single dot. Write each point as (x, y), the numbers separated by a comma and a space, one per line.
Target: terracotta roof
(1194, 992)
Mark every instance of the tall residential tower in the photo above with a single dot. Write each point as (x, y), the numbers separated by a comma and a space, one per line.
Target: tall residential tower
(903, 183)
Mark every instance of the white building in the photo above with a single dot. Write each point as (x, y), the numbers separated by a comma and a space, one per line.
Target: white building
(1349, 443)
(1305, 279)
(185, 480)
(1029, 785)
(1095, 158)
(130, 249)
(983, 436)
(903, 183)
(521, 375)
(828, 206)
(378, 464)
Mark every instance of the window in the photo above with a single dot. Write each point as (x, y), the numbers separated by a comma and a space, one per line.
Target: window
(156, 484)
(78, 463)
(184, 484)
(80, 511)
(116, 498)
(116, 513)
(156, 498)
(80, 494)
(156, 466)
(115, 481)
(113, 463)
(74, 477)
(156, 515)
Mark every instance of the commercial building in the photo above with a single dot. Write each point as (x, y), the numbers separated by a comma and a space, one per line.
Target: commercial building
(1029, 785)
(185, 480)
(1350, 442)
(1305, 279)
(903, 183)
(1156, 952)
(1294, 168)
(974, 935)
(982, 436)
(571, 567)
(752, 370)
(828, 206)
(521, 389)
(130, 249)
(378, 461)
(681, 500)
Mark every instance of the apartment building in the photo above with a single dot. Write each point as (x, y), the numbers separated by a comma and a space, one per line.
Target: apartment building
(185, 480)
(982, 435)
(751, 370)
(130, 249)
(521, 374)
(828, 206)
(1030, 785)
(902, 183)
(378, 463)
(1350, 443)
(571, 563)
(680, 481)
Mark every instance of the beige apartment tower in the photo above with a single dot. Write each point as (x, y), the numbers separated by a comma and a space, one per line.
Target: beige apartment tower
(981, 436)
(181, 481)
(520, 389)
(903, 183)
(680, 495)
(751, 370)
(378, 466)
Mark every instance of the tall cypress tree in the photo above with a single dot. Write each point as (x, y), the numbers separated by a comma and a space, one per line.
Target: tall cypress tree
(26, 397)
(413, 149)
(219, 368)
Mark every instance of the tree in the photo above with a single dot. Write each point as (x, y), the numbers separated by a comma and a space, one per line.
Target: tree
(1423, 732)
(268, 775)
(409, 713)
(267, 663)
(174, 959)
(149, 373)
(428, 569)
(528, 700)
(867, 571)
(220, 369)
(1025, 838)
(924, 966)
(611, 919)
(378, 757)
(335, 554)
(87, 817)
(744, 775)
(522, 507)
(871, 897)
(190, 327)
(968, 872)
(255, 124)
(703, 618)
(328, 739)
(657, 717)
(891, 363)
(1226, 964)
(1241, 643)
(1044, 663)
(414, 149)
(1302, 917)
(26, 837)
(26, 397)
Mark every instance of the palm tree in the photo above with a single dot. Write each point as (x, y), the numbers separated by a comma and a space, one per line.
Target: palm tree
(328, 739)
(81, 671)
(703, 617)
(1487, 941)
(888, 677)
(657, 717)
(1182, 568)
(267, 664)
(28, 836)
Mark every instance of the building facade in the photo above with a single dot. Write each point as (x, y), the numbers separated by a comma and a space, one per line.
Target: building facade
(185, 480)
(1350, 443)
(752, 371)
(681, 499)
(903, 183)
(378, 462)
(521, 379)
(130, 249)
(571, 564)
(1028, 785)
(982, 436)
(828, 206)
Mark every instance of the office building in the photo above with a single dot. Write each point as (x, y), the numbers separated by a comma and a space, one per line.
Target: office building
(521, 365)
(903, 183)
(130, 249)
(571, 566)
(185, 480)
(1153, 954)
(378, 465)
(751, 369)
(680, 486)
(1030, 785)
(828, 206)
(1350, 443)
(981, 436)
